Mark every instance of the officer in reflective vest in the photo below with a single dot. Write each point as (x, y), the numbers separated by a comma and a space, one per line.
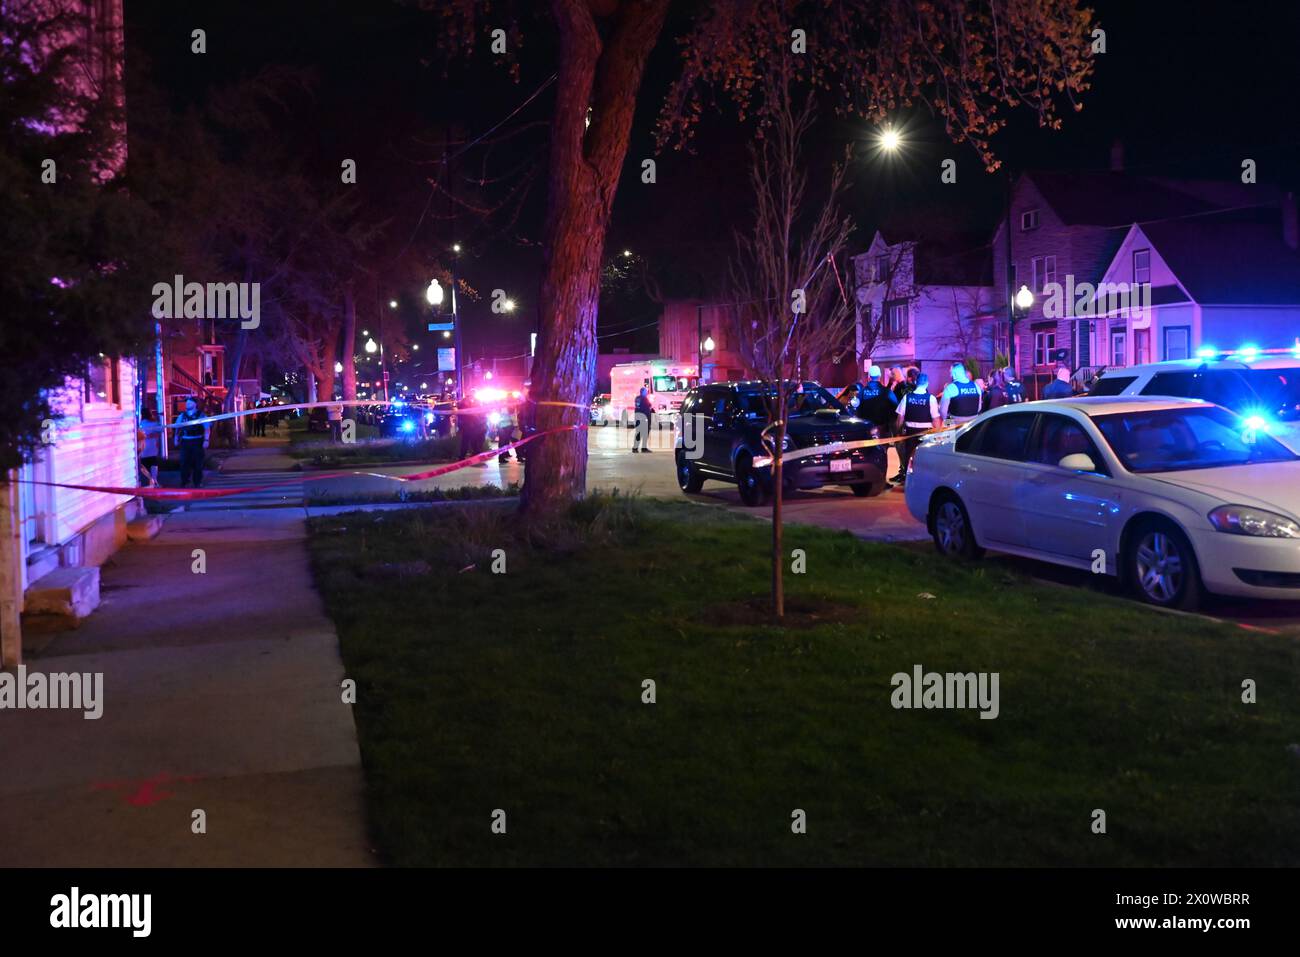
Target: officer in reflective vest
(961, 397)
(918, 412)
(874, 401)
(192, 439)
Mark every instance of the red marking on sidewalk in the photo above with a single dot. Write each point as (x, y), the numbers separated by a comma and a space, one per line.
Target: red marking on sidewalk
(145, 793)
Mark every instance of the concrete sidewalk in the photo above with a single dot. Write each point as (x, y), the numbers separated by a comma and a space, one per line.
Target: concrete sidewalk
(221, 692)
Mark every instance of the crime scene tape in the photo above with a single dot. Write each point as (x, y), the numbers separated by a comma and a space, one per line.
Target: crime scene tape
(831, 447)
(473, 410)
(194, 494)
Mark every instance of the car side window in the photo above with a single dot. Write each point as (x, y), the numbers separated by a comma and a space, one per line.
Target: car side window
(1059, 436)
(1112, 384)
(1181, 384)
(969, 440)
(1005, 436)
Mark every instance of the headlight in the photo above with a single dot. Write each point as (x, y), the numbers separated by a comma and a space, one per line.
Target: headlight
(786, 443)
(1240, 520)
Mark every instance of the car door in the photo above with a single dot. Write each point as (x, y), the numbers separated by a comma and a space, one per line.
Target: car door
(719, 416)
(987, 473)
(1067, 514)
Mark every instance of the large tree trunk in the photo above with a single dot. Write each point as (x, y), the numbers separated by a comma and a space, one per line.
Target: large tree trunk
(585, 164)
(349, 343)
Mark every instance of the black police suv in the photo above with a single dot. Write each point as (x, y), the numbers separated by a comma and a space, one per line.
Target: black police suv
(722, 441)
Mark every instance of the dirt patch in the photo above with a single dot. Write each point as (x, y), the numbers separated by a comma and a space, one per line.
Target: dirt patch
(800, 612)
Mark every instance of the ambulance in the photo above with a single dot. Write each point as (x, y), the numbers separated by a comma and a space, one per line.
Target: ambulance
(667, 382)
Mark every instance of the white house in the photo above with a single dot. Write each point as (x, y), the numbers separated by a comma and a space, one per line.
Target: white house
(924, 303)
(53, 539)
(1223, 281)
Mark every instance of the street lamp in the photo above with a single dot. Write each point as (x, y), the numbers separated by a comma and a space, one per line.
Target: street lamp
(508, 305)
(434, 293)
(1024, 299)
(371, 347)
(890, 140)
(708, 344)
(338, 367)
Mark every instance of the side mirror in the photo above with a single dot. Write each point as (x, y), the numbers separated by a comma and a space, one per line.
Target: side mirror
(1078, 462)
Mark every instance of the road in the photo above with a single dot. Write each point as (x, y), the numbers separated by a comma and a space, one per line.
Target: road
(611, 464)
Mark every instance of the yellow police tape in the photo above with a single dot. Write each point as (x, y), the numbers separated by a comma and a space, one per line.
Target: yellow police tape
(794, 454)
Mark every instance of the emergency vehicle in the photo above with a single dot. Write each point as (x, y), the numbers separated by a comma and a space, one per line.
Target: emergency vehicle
(667, 382)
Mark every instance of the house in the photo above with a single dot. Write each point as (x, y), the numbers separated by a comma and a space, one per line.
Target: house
(1222, 281)
(924, 302)
(699, 333)
(52, 539)
(1066, 228)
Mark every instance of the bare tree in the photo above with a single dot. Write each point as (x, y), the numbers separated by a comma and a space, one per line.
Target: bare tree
(791, 311)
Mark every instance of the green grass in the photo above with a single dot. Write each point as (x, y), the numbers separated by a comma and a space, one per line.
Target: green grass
(522, 691)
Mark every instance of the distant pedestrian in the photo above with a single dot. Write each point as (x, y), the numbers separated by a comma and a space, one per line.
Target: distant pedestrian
(193, 440)
(1059, 388)
(334, 414)
(150, 443)
(644, 413)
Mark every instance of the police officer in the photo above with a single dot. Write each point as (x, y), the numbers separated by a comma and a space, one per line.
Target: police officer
(918, 412)
(962, 398)
(874, 402)
(1015, 390)
(192, 439)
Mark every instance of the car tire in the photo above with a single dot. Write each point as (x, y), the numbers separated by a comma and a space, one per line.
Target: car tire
(950, 528)
(754, 491)
(1160, 566)
(689, 479)
(868, 489)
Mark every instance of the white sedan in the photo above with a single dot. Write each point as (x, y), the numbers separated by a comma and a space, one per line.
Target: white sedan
(1174, 496)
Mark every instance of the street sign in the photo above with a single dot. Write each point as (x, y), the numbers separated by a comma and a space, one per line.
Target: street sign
(446, 360)
(441, 326)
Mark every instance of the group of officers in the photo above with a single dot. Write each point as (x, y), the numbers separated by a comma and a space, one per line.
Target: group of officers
(906, 406)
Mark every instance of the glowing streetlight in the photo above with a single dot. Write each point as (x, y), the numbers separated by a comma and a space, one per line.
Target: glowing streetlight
(487, 375)
(708, 343)
(1024, 299)
(455, 247)
(627, 253)
(365, 332)
(338, 367)
(446, 334)
(416, 347)
(890, 140)
(508, 305)
(392, 304)
(371, 347)
(434, 293)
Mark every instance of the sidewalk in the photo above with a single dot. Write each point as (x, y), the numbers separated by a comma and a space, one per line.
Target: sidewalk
(221, 692)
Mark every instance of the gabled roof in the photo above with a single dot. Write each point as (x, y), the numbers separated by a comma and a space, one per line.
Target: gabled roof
(1113, 199)
(1221, 260)
(955, 259)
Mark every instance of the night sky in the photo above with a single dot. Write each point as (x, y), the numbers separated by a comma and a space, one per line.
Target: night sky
(1190, 89)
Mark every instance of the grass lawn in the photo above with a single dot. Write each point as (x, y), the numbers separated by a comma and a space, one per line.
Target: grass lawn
(368, 449)
(523, 691)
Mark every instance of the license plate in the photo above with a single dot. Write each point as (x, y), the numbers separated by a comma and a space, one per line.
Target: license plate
(841, 465)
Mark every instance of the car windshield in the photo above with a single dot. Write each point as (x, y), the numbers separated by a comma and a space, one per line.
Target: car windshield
(1170, 440)
(807, 401)
(667, 383)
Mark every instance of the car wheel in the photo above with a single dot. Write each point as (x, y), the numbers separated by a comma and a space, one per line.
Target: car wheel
(689, 479)
(950, 527)
(1161, 566)
(753, 489)
(868, 489)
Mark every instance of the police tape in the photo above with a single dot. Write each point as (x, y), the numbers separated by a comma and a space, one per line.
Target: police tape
(832, 447)
(196, 494)
(399, 403)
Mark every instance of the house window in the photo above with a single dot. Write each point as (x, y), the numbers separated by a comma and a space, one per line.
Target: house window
(1044, 346)
(1001, 339)
(879, 268)
(1028, 220)
(1141, 265)
(101, 383)
(1042, 270)
(1118, 347)
(866, 317)
(1178, 342)
(896, 320)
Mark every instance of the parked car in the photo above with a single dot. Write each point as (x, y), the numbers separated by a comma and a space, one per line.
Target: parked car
(1173, 496)
(1251, 384)
(600, 410)
(723, 441)
(318, 420)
